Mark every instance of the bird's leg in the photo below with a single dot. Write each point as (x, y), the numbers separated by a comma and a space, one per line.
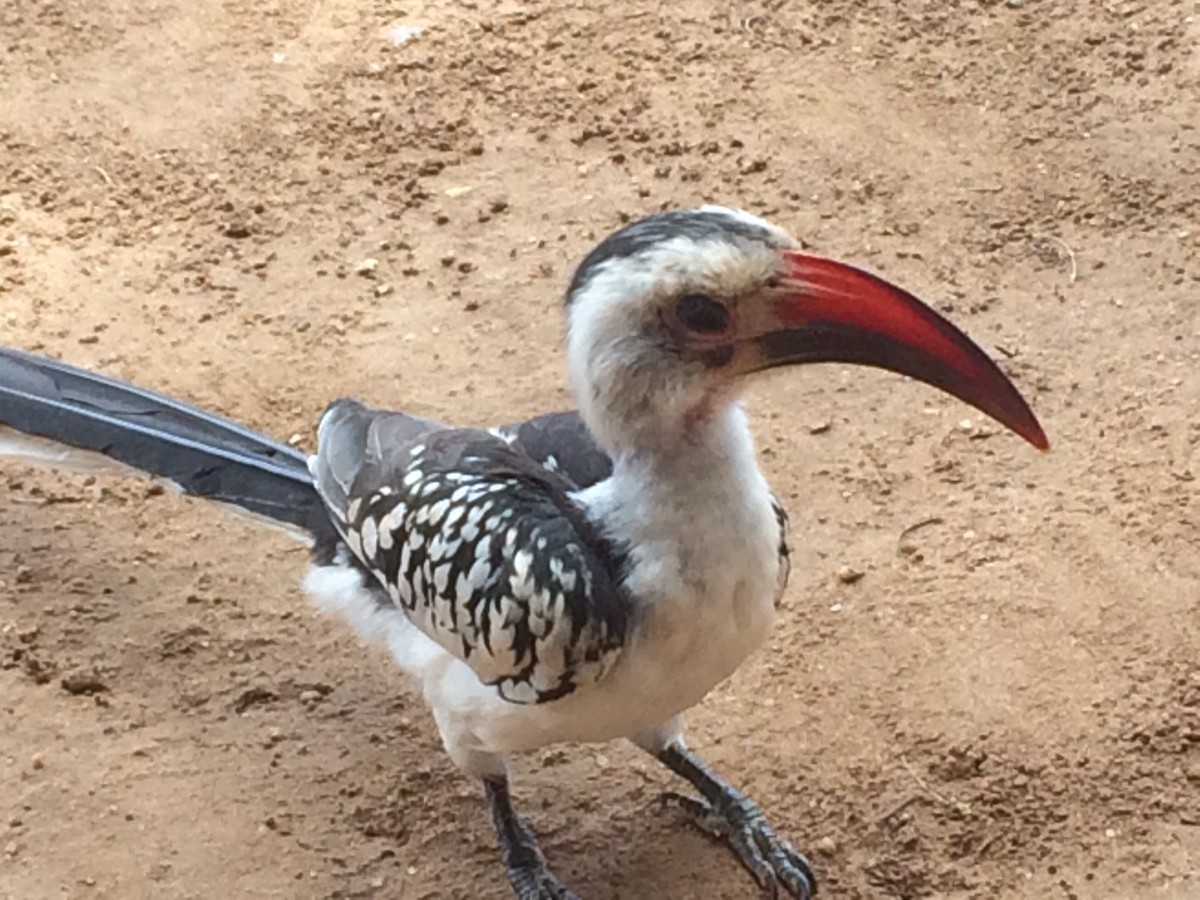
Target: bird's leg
(724, 811)
(527, 870)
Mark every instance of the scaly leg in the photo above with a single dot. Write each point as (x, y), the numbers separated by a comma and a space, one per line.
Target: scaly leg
(527, 870)
(727, 813)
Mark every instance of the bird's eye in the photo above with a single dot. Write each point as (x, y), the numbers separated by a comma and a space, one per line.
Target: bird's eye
(702, 314)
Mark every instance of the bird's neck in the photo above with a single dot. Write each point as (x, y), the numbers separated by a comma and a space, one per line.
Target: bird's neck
(718, 446)
(706, 479)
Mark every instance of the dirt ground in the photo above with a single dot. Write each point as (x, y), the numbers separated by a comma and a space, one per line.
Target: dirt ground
(1006, 705)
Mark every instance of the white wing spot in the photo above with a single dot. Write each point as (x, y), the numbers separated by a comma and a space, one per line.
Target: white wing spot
(370, 537)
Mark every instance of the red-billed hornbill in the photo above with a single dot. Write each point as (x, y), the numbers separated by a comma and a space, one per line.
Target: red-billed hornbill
(580, 576)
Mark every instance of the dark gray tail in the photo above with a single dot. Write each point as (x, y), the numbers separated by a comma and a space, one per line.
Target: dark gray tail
(57, 415)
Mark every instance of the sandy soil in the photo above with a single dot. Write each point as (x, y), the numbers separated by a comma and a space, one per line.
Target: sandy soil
(1006, 705)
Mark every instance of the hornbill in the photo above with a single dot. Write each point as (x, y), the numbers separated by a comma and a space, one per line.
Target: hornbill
(581, 576)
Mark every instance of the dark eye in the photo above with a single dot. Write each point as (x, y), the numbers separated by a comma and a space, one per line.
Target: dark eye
(702, 314)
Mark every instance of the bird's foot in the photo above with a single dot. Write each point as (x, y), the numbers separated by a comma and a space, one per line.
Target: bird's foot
(778, 867)
(537, 882)
(527, 870)
(725, 812)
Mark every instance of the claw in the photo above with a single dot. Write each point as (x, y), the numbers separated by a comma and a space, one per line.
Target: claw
(772, 861)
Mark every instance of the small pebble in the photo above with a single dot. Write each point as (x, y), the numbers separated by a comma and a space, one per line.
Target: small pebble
(847, 575)
(367, 266)
(38, 761)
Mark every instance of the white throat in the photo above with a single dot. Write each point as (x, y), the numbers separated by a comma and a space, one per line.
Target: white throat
(693, 512)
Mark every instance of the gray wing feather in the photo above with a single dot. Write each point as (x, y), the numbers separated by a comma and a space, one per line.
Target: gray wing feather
(562, 443)
(350, 435)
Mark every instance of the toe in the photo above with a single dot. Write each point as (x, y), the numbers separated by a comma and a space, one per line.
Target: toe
(788, 864)
(699, 811)
(745, 844)
(797, 883)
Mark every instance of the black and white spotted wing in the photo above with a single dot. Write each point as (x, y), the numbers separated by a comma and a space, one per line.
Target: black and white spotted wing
(480, 545)
(785, 550)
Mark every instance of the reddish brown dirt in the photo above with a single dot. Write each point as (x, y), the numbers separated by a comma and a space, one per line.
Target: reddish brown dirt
(1006, 705)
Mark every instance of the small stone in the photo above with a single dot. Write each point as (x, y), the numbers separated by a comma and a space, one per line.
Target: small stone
(366, 267)
(459, 191)
(310, 696)
(826, 846)
(820, 427)
(11, 849)
(848, 575)
(383, 290)
(38, 761)
(236, 230)
(84, 683)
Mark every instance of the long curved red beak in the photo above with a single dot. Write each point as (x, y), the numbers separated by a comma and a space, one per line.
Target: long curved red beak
(827, 311)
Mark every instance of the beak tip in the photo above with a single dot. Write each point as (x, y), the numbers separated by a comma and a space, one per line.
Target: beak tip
(1036, 436)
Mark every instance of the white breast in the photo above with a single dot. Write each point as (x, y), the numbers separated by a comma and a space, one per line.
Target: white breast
(704, 566)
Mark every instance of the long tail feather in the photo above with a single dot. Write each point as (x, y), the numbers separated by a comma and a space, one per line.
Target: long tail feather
(55, 414)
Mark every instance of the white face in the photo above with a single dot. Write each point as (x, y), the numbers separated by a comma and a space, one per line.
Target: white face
(651, 314)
